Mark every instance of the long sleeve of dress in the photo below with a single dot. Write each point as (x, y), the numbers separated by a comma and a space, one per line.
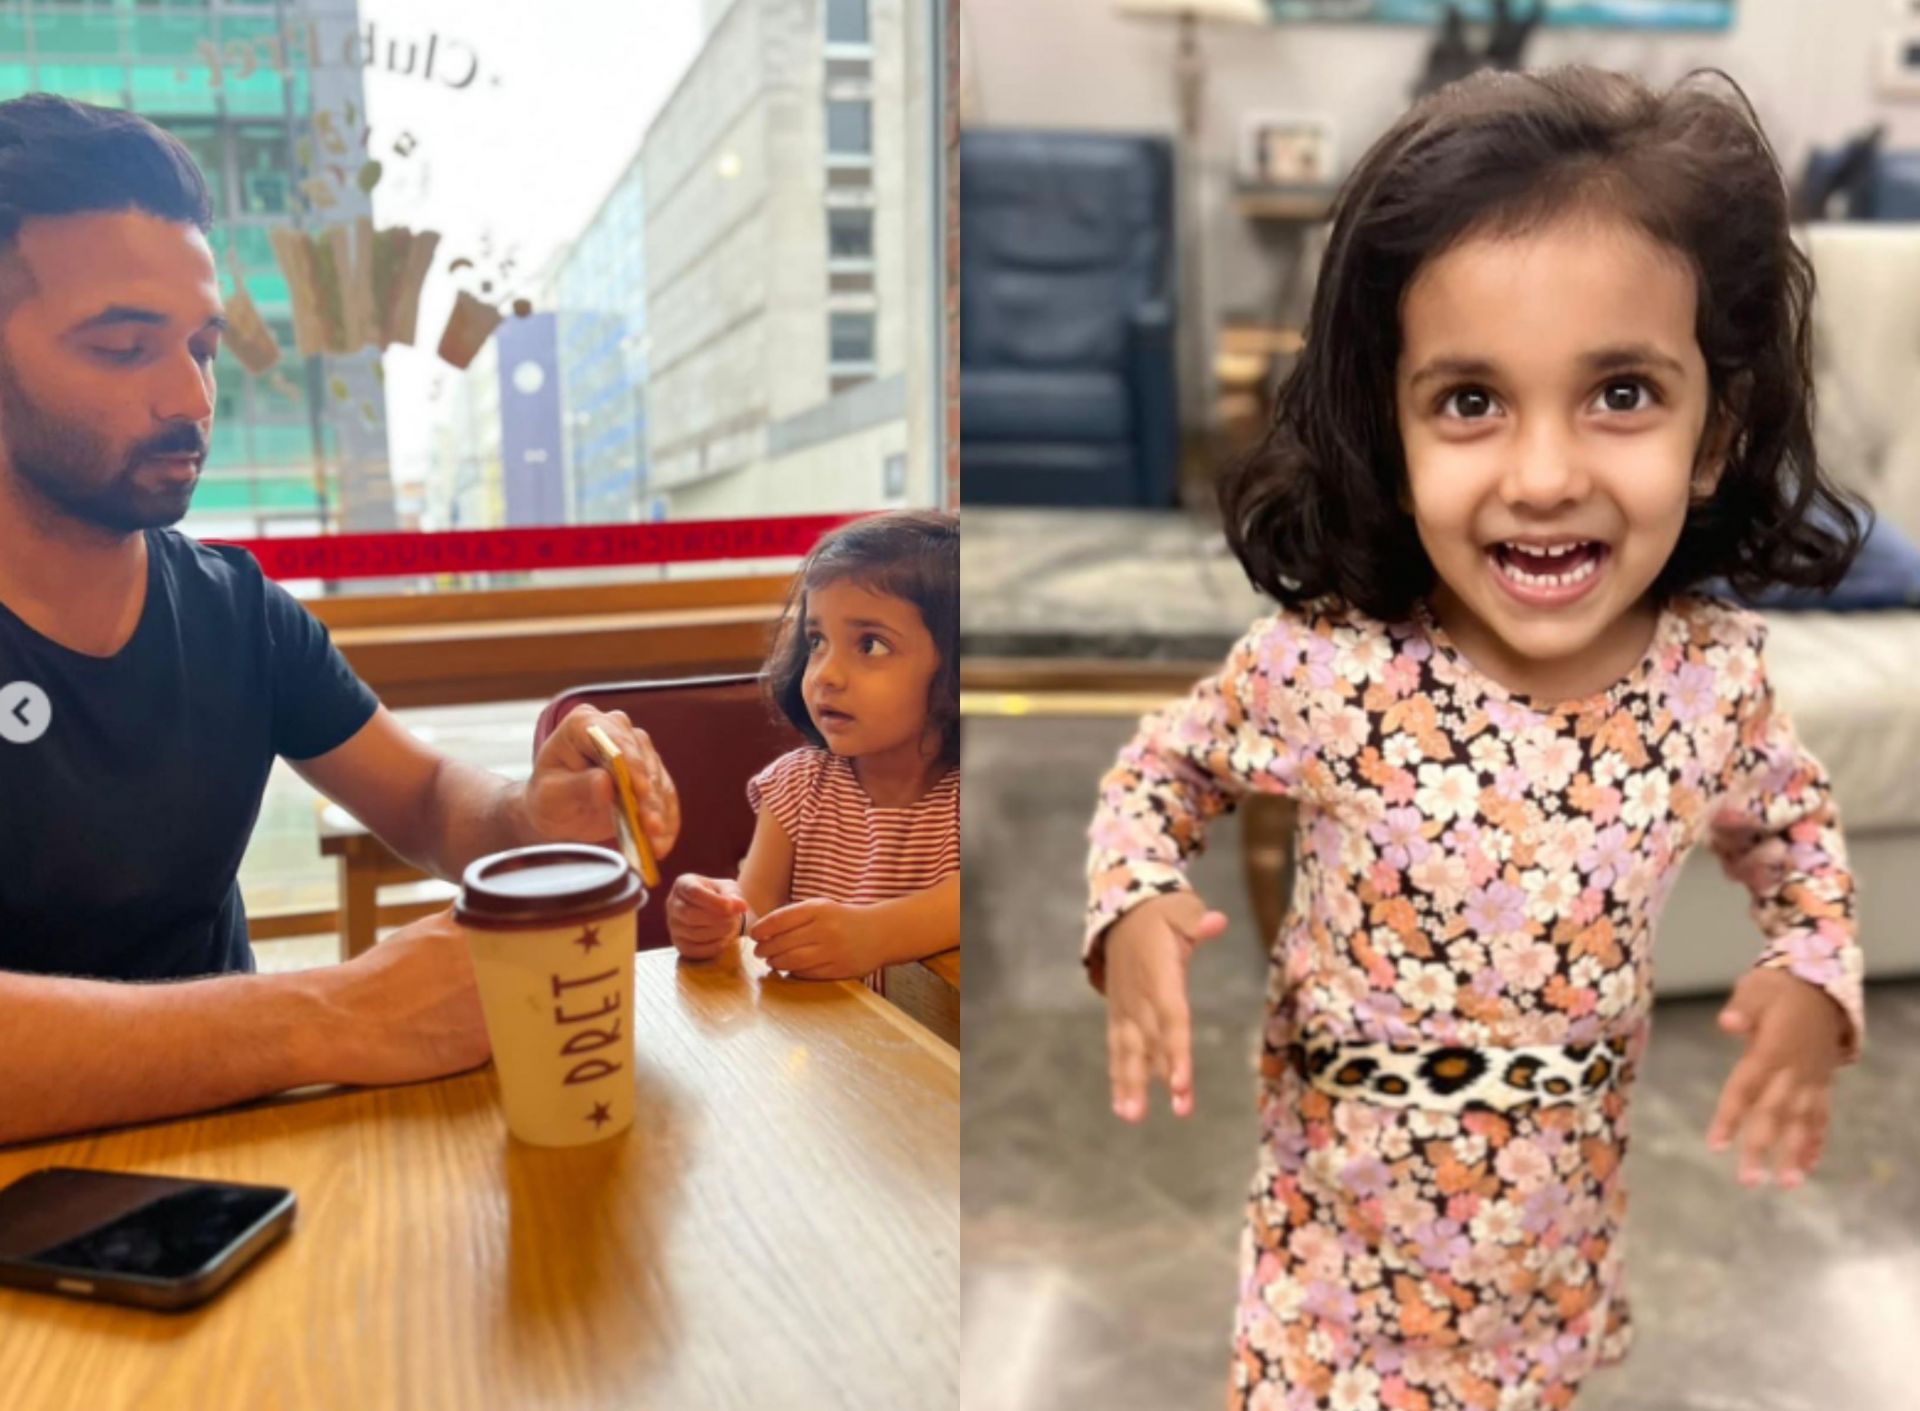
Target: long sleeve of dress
(1238, 731)
(1777, 829)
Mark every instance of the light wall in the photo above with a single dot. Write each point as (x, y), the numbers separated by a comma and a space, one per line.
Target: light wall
(1810, 67)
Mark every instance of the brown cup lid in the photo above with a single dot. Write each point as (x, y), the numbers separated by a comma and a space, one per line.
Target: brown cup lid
(551, 884)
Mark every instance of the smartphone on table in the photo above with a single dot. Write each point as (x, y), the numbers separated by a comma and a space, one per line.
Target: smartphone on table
(153, 1241)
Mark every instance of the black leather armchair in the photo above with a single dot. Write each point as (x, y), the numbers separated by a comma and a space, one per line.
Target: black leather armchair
(1067, 393)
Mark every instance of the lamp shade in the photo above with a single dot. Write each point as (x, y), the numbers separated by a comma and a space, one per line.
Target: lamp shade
(1226, 11)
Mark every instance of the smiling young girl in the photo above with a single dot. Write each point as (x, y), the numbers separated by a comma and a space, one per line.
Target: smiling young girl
(1556, 374)
(855, 861)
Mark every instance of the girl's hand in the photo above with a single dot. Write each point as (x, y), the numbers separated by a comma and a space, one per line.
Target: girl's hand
(1776, 1099)
(1148, 1030)
(703, 915)
(822, 940)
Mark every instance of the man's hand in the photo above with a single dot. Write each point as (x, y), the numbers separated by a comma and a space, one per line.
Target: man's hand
(407, 1010)
(1148, 1024)
(703, 915)
(1776, 1100)
(822, 940)
(84, 1054)
(570, 796)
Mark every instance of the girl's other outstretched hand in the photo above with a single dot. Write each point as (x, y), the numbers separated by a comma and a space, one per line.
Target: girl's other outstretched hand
(703, 915)
(1149, 1033)
(1776, 1099)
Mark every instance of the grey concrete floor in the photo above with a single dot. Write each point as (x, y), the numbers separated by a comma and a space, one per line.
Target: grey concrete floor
(1100, 1258)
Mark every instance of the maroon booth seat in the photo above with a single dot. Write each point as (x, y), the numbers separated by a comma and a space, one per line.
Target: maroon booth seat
(713, 733)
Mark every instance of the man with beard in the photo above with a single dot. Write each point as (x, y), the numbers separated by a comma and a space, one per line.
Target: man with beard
(147, 683)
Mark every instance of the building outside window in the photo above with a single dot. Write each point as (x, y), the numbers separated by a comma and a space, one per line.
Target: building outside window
(849, 127)
(850, 234)
(851, 338)
(846, 21)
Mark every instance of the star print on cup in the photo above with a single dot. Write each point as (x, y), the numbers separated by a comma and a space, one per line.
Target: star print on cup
(588, 939)
(25, 712)
(601, 1115)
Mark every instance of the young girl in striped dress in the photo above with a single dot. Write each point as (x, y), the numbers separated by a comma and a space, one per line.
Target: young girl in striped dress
(1555, 379)
(855, 861)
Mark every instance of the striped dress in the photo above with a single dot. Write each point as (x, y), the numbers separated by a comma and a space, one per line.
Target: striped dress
(845, 848)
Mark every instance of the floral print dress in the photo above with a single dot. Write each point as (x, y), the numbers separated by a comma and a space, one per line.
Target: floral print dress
(1474, 872)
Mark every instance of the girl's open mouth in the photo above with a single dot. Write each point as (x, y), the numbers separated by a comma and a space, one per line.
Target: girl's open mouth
(1548, 575)
(832, 719)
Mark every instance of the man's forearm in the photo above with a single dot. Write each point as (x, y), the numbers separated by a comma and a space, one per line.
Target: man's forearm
(473, 812)
(81, 1054)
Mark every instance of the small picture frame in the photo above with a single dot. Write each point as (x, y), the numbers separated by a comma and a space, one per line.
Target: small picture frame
(1286, 149)
(1900, 63)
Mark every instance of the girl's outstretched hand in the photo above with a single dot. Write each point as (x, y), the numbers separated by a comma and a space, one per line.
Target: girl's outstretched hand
(1148, 1028)
(1776, 1099)
(819, 939)
(703, 915)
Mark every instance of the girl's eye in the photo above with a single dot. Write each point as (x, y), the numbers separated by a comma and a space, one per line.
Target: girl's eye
(1468, 403)
(1626, 396)
(120, 356)
(875, 646)
(814, 640)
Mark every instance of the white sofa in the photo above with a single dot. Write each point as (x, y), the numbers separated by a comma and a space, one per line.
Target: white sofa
(1850, 681)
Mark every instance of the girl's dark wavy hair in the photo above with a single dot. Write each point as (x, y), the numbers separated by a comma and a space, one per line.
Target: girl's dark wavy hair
(1316, 510)
(909, 554)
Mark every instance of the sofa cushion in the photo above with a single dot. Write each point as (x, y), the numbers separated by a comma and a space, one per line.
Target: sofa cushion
(1002, 405)
(1866, 354)
(1848, 682)
(1885, 574)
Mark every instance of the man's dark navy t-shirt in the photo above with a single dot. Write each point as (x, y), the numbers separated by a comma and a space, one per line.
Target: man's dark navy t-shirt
(129, 784)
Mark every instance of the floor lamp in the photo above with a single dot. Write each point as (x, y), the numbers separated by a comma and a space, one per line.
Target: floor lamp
(1189, 74)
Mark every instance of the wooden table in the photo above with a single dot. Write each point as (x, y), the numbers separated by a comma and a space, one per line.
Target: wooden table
(929, 990)
(780, 1228)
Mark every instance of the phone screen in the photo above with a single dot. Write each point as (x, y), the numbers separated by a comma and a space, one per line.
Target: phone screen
(109, 1222)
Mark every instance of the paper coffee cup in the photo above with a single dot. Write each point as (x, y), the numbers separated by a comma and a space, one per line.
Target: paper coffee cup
(551, 930)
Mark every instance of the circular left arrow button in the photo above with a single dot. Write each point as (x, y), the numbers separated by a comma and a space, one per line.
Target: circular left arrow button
(25, 712)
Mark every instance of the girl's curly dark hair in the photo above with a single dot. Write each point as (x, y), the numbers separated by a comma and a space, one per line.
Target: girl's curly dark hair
(1316, 510)
(909, 554)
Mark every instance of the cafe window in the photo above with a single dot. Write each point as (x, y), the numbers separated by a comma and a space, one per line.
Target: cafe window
(850, 234)
(463, 307)
(167, 36)
(102, 84)
(849, 127)
(851, 337)
(260, 154)
(846, 21)
(68, 30)
(207, 142)
(164, 90)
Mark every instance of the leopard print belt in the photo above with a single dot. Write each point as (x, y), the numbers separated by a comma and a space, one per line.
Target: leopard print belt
(1445, 1078)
